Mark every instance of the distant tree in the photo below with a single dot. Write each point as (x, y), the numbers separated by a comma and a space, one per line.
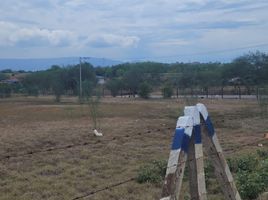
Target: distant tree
(144, 90)
(167, 91)
(9, 71)
(100, 71)
(32, 91)
(5, 90)
(3, 76)
(132, 79)
(114, 85)
(207, 79)
(87, 89)
(57, 83)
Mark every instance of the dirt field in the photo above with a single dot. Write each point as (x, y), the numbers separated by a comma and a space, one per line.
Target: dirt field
(64, 160)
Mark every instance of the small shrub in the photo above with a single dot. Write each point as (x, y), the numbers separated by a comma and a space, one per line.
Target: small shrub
(94, 109)
(152, 173)
(263, 101)
(251, 174)
(263, 171)
(250, 185)
(144, 90)
(245, 163)
(5, 90)
(167, 91)
(262, 153)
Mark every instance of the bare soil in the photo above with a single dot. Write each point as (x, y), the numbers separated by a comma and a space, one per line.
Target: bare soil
(48, 151)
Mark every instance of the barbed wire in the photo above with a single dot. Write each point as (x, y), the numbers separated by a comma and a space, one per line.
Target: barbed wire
(105, 188)
(175, 165)
(217, 153)
(69, 146)
(7, 157)
(114, 185)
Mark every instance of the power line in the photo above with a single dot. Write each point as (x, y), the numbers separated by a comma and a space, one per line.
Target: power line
(200, 53)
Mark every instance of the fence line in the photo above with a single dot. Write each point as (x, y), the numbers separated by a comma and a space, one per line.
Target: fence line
(105, 188)
(134, 178)
(123, 182)
(7, 157)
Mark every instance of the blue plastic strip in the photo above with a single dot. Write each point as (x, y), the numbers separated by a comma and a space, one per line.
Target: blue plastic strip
(178, 137)
(210, 127)
(197, 134)
(185, 143)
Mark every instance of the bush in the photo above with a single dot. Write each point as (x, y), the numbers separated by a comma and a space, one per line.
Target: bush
(250, 185)
(167, 91)
(87, 89)
(251, 174)
(245, 163)
(144, 90)
(32, 91)
(263, 101)
(152, 173)
(262, 153)
(5, 90)
(114, 86)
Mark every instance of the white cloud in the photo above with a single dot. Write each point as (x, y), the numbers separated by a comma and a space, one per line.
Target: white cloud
(172, 42)
(130, 27)
(108, 40)
(12, 34)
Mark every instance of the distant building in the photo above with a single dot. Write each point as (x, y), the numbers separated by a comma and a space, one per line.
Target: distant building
(11, 80)
(101, 80)
(235, 81)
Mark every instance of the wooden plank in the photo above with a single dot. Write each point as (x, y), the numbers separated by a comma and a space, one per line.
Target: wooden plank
(196, 169)
(215, 154)
(177, 159)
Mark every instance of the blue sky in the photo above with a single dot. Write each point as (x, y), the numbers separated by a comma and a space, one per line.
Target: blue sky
(127, 30)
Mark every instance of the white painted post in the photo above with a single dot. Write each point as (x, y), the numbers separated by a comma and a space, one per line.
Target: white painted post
(187, 143)
(195, 158)
(177, 159)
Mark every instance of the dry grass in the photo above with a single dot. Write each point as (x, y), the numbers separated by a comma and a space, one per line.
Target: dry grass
(135, 132)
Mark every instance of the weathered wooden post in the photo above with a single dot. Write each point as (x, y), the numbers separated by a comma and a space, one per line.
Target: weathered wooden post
(195, 157)
(177, 159)
(216, 156)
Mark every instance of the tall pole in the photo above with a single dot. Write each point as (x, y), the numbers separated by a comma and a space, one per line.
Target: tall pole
(80, 78)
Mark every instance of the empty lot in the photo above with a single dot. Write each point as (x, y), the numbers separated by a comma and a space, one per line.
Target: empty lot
(48, 151)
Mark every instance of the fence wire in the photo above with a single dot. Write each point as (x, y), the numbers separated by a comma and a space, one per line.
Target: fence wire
(122, 182)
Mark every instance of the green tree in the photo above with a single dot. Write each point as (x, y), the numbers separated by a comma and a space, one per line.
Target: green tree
(132, 79)
(144, 90)
(114, 85)
(3, 76)
(87, 88)
(5, 90)
(167, 91)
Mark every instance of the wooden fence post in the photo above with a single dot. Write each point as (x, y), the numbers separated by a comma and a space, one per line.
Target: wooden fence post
(216, 156)
(187, 145)
(177, 159)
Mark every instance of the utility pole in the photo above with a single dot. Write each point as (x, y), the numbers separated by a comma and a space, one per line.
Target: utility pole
(80, 78)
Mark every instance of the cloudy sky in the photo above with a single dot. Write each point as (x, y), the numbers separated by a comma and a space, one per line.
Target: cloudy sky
(160, 30)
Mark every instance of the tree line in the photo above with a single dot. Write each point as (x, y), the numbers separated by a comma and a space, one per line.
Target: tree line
(249, 71)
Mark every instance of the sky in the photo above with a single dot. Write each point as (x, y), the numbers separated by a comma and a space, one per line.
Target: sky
(134, 30)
